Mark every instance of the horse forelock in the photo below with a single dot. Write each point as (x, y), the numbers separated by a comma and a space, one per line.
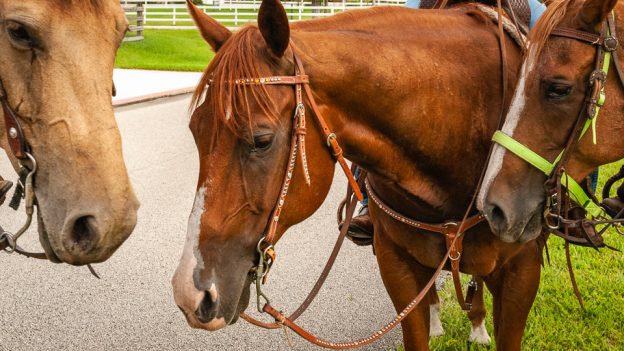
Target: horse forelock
(242, 56)
(554, 15)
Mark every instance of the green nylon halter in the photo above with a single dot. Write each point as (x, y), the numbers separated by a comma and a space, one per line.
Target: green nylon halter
(577, 194)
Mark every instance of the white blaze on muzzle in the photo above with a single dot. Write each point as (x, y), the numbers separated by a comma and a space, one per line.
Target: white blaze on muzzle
(512, 118)
(186, 295)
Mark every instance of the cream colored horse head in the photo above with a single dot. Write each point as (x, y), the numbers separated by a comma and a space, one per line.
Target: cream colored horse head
(56, 65)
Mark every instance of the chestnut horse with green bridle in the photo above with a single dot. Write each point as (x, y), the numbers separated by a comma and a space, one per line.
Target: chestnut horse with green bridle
(566, 120)
(412, 96)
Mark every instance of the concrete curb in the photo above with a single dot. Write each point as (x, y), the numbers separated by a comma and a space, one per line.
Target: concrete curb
(150, 97)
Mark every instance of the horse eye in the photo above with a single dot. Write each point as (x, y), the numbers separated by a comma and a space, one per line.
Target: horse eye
(18, 33)
(558, 91)
(262, 142)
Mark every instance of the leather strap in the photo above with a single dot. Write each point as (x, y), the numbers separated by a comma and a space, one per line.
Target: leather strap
(283, 320)
(332, 141)
(14, 133)
(446, 228)
(452, 231)
(299, 80)
(590, 38)
(275, 80)
(353, 201)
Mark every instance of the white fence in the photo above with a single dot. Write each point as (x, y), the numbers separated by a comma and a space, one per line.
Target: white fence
(173, 14)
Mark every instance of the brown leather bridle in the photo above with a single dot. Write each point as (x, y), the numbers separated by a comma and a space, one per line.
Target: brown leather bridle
(300, 82)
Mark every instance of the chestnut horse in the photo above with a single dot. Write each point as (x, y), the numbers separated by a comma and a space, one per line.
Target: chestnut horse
(547, 104)
(418, 114)
(56, 66)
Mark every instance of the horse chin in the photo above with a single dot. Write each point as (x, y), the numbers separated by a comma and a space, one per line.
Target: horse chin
(533, 228)
(45, 241)
(525, 231)
(227, 318)
(243, 302)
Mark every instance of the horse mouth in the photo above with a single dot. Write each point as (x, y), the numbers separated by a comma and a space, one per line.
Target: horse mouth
(45, 242)
(533, 227)
(243, 302)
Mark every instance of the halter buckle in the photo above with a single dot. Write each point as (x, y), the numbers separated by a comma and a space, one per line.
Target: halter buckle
(599, 75)
(611, 43)
(547, 218)
(330, 137)
(451, 224)
(591, 108)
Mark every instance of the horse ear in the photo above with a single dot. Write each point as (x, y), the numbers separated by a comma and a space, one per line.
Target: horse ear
(594, 12)
(273, 24)
(213, 32)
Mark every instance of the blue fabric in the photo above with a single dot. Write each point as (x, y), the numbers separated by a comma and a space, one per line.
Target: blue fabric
(364, 201)
(412, 4)
(537, 9)
(593, 181)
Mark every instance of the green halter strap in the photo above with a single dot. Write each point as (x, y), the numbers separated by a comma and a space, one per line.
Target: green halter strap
(576, 192)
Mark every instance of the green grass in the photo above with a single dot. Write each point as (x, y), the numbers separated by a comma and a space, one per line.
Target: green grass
(174, 50)
(556, 321)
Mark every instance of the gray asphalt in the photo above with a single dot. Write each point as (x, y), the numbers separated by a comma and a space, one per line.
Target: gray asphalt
(49, 307)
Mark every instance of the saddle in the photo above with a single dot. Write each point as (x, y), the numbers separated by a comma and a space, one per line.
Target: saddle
(519, 8)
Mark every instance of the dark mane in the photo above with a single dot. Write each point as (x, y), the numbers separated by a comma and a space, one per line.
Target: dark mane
(240, 57)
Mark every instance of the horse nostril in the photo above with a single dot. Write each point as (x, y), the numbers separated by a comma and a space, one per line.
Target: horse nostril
(497, 218)
(84, 232)
(207, 310)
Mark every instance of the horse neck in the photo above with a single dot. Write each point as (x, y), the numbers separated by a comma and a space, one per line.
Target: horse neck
(414, 105)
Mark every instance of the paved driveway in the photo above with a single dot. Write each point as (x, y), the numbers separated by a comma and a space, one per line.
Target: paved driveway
(50, 307)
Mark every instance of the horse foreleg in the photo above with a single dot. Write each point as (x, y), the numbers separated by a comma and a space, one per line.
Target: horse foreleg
(476, 315)
(513, 289)
(404, 278)
(435, 322)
